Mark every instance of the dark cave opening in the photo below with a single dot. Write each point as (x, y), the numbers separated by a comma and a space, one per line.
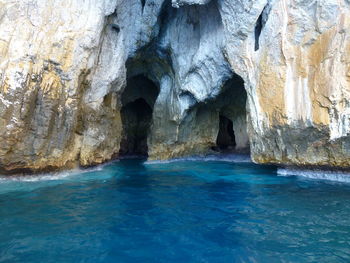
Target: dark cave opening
(226, 137)
(232, 133)
(138, 100)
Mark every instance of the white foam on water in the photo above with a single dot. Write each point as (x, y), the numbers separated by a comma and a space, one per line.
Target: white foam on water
(54, 176)
(336, 176)
(32, 182)
(234, 158)
(36, 178)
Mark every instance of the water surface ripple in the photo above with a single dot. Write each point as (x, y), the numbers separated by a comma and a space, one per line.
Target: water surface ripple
(185, 211)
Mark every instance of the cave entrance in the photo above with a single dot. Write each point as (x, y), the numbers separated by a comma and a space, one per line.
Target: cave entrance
(138, 100)
(231, 107)
(226, 137)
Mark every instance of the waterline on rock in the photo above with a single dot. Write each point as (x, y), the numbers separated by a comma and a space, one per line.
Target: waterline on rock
(50, 176)
(41, 177)
(337, 176)
(36, 181)
(234, 158)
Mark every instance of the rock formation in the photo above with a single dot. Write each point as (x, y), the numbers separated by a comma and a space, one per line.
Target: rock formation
(82, 82)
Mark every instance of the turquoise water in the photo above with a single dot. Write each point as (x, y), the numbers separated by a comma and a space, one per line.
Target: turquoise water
(185, 211)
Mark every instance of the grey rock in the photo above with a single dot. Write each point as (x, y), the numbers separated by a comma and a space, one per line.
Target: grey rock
(278, 70)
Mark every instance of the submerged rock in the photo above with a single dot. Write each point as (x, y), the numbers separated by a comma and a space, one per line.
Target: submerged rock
(277, 70)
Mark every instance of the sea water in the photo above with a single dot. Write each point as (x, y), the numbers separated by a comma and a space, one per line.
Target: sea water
(212, 210)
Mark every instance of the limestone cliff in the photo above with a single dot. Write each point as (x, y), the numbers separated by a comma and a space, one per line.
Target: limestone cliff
(82, 82)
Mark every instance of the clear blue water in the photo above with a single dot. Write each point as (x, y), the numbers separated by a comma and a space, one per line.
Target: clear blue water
(187, 211)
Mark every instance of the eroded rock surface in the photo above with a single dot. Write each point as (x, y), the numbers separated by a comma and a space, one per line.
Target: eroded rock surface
(279, 70)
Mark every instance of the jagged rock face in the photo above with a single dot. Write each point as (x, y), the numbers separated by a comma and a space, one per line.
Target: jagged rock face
(298, 84)
(47, 50)
(65, 68)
